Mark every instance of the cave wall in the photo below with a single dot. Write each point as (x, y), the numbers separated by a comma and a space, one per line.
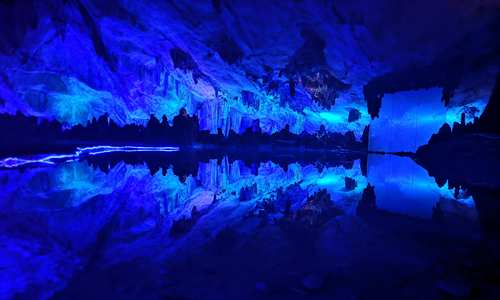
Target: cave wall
(407, 121)
(302, 63)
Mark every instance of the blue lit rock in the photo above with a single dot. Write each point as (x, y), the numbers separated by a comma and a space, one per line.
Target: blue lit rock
(77, 60)
(74, 203)
(84, 200)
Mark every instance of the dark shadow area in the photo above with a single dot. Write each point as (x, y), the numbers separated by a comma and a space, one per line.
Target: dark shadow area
(467, 156)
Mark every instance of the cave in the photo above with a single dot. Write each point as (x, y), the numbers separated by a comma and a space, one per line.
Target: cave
(232, 149)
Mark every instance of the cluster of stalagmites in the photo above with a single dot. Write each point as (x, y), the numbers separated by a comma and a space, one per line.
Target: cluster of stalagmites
(185, 131)
(18, 126)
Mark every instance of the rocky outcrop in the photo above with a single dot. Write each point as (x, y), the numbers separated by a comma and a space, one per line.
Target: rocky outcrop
(490, 119)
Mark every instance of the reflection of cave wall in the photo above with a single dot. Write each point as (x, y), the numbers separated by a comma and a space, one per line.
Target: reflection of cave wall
(488, 207)
(402, 186)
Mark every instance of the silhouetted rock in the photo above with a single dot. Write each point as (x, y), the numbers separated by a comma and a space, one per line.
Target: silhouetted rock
(354, 115)
(437, 213)
(350, 184)
(367, 203)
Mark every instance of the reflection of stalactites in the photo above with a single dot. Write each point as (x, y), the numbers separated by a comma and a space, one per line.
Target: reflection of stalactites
(225, 172)
(165, 203)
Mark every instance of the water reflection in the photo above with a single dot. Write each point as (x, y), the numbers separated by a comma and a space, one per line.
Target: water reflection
(402, 186)
(63, 222)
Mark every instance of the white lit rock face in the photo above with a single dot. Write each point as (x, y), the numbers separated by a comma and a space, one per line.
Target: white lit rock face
(75, 60)
(407, 121)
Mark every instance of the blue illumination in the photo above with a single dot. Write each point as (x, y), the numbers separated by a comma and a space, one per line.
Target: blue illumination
(407, 120)
(75, 202)
(256, 216)
(402, 186)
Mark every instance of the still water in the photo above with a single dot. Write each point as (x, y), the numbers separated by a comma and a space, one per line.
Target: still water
(161, 225)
